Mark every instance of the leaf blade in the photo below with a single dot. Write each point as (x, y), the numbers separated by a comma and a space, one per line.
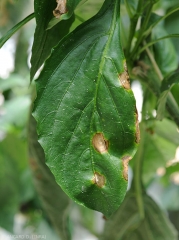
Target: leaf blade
(97, 134)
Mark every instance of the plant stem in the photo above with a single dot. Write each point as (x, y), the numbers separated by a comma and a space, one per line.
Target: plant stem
(128, 8)
(15, 29)
(133, 24)
(154, 64)
(174, 9)
(171, 105)
(137, 179)
(143, 27)
(155, 41)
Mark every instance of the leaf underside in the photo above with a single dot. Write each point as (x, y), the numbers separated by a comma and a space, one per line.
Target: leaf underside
(86, 113)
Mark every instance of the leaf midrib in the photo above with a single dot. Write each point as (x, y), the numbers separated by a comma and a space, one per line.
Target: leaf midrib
(101, 66)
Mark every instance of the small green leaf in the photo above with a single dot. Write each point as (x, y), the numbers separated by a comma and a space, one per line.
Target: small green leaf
(166, 86)
(169, 81)
(45, 39)
(126, 224)
(174, 35)
(86, 114)
(156, 19)
(161, 105)
(15, 29)
(160, 147)
(71, 5)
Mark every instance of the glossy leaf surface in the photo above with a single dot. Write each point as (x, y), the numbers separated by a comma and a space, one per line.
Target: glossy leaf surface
(86, 114)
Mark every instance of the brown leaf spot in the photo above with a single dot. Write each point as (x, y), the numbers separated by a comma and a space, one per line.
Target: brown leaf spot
(137, 135)
(99, 143)
(124, 78)
(98, 179)
(60, 9)
(125, 161)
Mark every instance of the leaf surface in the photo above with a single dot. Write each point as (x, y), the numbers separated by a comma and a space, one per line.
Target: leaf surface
(86, 113)
(45, 39)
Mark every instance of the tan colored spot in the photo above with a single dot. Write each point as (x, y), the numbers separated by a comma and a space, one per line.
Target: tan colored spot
(125, 161)
(98, 179)
(124, 78)
(60, 9)
(99, 143)
(137, 135)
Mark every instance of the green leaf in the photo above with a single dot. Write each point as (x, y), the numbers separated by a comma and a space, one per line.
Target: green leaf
(160, 147)
(174, 35)
(13, 81)
(13, 160)
(126, 224)
(171, 25)
(166, 86)
(156, 19)
(169, 81)
(15, 113)
(86, 113)
(15, 29)
(45, 39)
(165, 54)
(131, 6)
(161, 105)
(71, 5)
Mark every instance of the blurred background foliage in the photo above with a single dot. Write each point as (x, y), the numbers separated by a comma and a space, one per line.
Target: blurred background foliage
(21, 211)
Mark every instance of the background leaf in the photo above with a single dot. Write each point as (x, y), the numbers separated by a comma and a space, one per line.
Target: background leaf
(164, 51)
(159, 149)
(15, 29)
(166, 86)
(13, 161)
(101, 106)
(126, 223)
